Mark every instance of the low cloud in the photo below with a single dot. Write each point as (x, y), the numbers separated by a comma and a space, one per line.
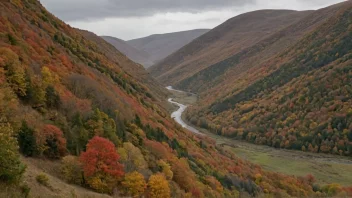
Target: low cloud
(84, 10)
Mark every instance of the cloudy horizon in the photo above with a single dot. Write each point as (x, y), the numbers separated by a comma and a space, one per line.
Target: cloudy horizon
(139, 18)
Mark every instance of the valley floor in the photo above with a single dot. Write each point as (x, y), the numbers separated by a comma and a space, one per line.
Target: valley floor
(325, 168)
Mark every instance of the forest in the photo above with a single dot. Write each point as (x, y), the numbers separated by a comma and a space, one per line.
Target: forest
(302, 101)
(64, 99)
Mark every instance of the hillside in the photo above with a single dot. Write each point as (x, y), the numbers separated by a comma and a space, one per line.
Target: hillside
(160, 46)
(81, 113)
(224, 41)
(132, 53)
(297, 97)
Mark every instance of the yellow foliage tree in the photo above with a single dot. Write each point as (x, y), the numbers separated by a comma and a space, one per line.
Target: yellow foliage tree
(166, 169)
(14, 71)
(158, 187)
(132, 158)
(71, 170)
(49, 78)
(11, 168)
(134, 184)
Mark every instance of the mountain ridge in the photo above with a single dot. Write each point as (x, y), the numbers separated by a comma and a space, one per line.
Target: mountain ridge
(133, 53)
(212, 47)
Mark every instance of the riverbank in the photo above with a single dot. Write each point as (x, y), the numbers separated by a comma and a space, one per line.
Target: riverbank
(326, 168)
(177, 115)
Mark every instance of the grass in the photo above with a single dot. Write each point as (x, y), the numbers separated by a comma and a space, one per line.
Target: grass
(184, 98)
(58, 187)
(324, 170)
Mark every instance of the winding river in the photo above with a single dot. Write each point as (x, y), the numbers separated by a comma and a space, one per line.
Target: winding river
(325, 167)
(177, 115)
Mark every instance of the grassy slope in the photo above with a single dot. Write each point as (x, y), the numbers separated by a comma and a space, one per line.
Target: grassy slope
(58, 189)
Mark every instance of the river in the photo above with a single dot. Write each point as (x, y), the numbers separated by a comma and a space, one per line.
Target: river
(177, 115)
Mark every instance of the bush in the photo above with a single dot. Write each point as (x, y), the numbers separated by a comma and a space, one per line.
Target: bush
(25, 190)
(71, 170)
(43, 179)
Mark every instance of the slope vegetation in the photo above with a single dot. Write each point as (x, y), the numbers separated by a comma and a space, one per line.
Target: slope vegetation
(295, 99)
(69, 97)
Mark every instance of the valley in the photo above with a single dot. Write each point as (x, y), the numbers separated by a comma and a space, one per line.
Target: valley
(265, 109)
(324, 167)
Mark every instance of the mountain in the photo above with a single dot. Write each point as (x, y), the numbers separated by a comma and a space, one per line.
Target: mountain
(289, 90)
(86, 118)
(160, 46)
(133, 53)
(227, 39)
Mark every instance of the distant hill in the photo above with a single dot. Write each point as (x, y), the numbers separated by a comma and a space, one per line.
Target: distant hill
(160, 46)
(133, 53)
(222, 42)
(289, 89)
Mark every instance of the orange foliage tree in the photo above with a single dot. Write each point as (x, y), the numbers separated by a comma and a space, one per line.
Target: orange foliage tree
(100, 163)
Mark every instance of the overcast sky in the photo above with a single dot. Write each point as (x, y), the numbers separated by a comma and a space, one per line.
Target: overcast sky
(128, 19)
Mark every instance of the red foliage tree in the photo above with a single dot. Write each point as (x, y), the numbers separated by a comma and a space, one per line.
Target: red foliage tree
(100, 164)
(54, 141)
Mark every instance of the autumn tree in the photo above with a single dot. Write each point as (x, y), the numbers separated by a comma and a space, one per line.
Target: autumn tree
(14, 71)
(39, 94)
(132, 158)
(134, 184)
(158, 187)
(49, 78)
(102, 125)
(52, 97)
(100, 165)
(182, 174)
(71, 170)
(78, 136)
(53, 142)
(166, 169)
(11, 168)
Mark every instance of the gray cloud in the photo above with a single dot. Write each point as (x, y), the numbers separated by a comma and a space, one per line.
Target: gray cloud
(83, 10)
(128, 19)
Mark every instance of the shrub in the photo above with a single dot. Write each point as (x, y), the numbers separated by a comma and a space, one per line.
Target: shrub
(332, 189)
(43, 179)
(25, 190)
(71, 170)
